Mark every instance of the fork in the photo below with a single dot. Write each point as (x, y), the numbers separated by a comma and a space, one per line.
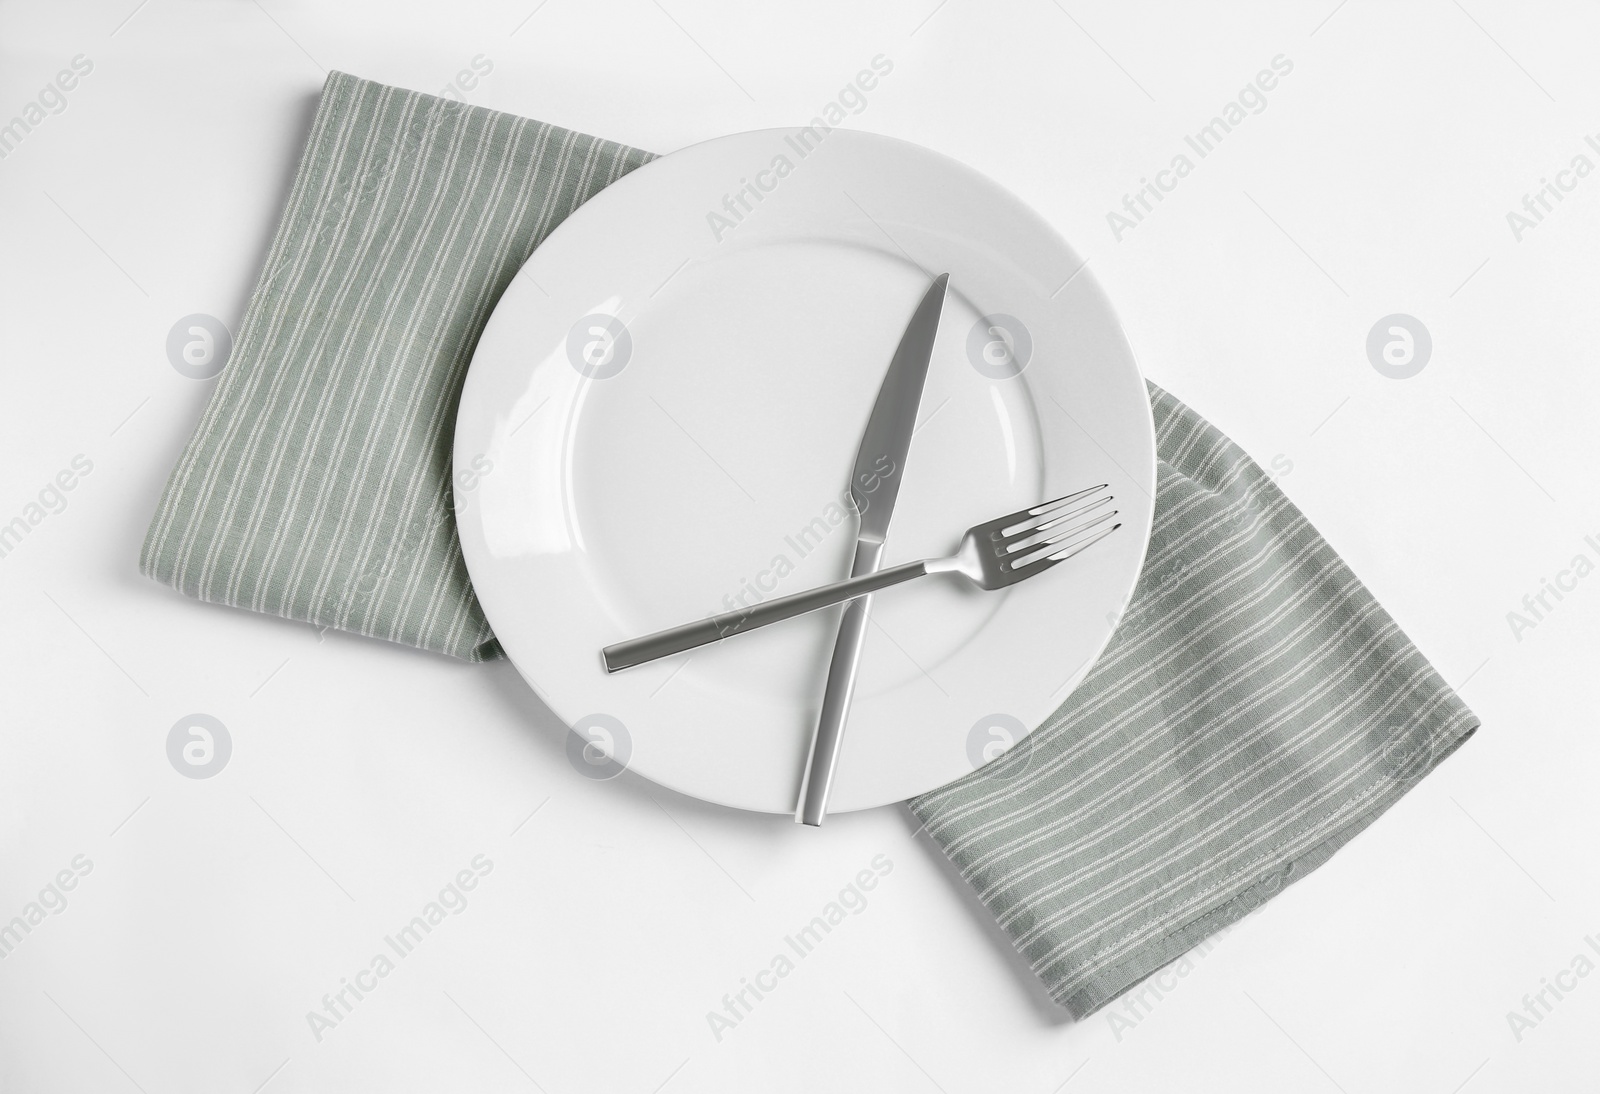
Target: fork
(993, 555)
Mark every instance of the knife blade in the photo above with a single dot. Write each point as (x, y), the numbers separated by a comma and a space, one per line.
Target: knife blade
(874, 487)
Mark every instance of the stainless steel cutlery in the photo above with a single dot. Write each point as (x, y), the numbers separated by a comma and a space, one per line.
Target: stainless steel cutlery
(883, 450)
(992, 555)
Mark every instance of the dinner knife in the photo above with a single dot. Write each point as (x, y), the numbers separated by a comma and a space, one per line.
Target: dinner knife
(874, 486)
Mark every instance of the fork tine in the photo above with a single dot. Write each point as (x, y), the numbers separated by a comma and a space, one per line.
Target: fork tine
(1060, 522)
(1036, 516)
(1074, 548)
(1064, 544)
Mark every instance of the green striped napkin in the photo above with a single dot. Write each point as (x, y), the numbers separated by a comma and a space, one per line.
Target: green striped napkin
(317, 485)
(1255, 709)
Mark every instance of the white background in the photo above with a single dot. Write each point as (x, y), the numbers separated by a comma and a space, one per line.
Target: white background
(363, 776)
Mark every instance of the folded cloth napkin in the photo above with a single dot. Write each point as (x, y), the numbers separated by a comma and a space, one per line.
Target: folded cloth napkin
(317, 485)
(1255, 710)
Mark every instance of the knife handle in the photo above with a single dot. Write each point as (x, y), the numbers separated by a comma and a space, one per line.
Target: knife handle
(825, 742)
(817, 782)
(636, 651)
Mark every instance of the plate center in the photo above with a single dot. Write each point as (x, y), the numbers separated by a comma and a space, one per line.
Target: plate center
(749, 382)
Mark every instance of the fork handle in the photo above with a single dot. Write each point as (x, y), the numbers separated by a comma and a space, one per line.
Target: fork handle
(637, 651)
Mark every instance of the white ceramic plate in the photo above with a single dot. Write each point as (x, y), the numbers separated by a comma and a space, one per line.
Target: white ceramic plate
(661, 418)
